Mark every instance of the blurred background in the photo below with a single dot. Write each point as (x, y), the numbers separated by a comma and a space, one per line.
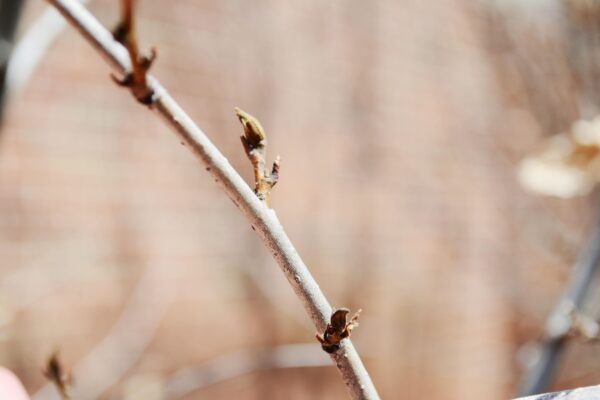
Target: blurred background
(400, 124)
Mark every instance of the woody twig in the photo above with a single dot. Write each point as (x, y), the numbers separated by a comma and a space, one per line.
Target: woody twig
(136, 80)
(263, 219)
(254, 141)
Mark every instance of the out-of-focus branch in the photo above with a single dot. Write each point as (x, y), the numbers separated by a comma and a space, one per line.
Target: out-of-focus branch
(560, 322)
(124, 344)
(31, 48)
(231, 366)
(262, 219)
(10, 11)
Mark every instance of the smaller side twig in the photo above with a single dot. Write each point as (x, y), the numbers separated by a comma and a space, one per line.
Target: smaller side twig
(337, 329)
(136, 80)
(254, 141)
(56, 374)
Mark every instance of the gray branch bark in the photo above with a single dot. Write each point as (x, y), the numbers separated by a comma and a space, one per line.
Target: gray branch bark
(262, 219)
(584, 393)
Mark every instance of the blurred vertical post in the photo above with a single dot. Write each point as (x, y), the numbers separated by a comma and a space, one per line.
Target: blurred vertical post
(10, 10)
(540, 374)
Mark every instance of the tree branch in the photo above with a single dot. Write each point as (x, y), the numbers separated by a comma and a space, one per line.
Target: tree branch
(229, 366)
(122, 347)
(262, 219)
(32, 47)
(560, 322)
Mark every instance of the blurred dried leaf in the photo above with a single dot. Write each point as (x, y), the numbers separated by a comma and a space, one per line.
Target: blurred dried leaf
(568, 165)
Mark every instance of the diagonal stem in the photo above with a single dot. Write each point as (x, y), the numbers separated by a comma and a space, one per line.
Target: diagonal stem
(262, 219)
